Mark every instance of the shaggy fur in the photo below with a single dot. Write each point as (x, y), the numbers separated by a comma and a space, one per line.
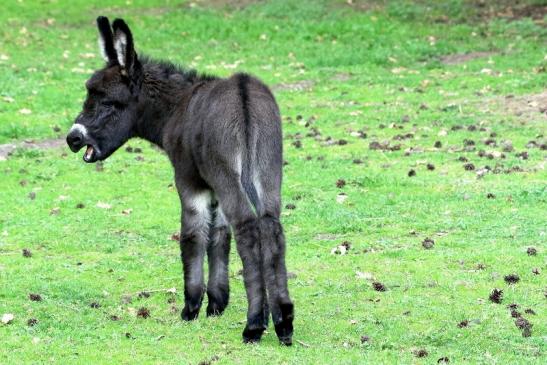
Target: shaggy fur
(223, 137)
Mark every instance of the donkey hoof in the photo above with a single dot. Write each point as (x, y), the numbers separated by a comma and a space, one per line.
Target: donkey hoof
(284, 329)
(284, 332)
(215, 309)
(189, 315)
(252, 336)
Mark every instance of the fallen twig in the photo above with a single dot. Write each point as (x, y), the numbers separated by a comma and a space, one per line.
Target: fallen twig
(167, 290)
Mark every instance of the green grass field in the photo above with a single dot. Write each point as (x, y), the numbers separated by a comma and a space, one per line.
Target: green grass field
(402, 121)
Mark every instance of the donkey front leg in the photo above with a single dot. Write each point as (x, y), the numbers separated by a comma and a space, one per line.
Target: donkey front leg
(193, 245)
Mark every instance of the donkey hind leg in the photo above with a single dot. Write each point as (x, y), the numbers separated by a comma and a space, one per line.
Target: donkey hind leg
(240, 216)
(193, 244)
(273, 250)
(218, 250)
(275, 274)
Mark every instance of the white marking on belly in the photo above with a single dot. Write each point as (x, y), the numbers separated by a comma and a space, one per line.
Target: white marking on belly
(258, 188)
(80, 128)
(200, 203)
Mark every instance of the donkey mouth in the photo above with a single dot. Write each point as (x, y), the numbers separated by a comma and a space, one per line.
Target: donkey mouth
(90, 154)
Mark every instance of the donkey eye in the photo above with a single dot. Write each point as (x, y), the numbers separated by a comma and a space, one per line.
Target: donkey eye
(110, 103)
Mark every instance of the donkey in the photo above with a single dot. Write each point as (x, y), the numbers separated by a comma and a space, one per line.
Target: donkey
(223, 138)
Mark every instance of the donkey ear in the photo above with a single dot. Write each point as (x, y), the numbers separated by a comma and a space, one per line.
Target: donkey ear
(123, 44)
(106, 41)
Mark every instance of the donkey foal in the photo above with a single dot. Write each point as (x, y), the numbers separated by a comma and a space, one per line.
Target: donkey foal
(223, 137)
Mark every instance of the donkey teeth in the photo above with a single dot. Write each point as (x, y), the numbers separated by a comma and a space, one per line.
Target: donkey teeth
(89, 152)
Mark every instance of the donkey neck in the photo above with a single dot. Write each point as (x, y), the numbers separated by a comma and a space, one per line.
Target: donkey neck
(166, 89)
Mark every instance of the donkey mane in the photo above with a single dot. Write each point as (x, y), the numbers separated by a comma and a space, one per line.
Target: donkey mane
(166, 69)
(166, 87)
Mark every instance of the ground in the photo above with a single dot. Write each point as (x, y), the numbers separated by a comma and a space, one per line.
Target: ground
(415, 185)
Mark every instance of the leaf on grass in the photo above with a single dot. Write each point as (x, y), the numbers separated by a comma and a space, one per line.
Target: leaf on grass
(7, 318)
(87, 55)
(340, 198)
(103, 205)
(364, 275)
(341, 249)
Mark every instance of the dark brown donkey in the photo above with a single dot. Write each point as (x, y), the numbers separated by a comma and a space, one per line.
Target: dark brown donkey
(223, 137)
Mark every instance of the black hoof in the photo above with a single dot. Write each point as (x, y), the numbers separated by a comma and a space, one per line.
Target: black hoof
(284, 329)
(189, 315)
(218, 301)
(284, 333)
(215, 309)
(252, 336)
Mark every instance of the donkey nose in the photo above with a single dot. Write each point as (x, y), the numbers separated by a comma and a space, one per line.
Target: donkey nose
(75, 140)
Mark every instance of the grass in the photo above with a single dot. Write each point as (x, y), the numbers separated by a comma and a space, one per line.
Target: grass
(346, 72)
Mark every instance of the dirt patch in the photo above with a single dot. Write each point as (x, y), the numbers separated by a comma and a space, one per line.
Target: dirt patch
(341, 76)
(536, 12)
(509, 9)
(526, 104)
(7, 149)
(455, 59)
(359, 5)
(294, 86)
(473, 11)
(531, 105)
(220, 4)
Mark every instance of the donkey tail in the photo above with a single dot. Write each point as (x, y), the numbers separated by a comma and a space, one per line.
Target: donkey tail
(250, 143)
(248, 186)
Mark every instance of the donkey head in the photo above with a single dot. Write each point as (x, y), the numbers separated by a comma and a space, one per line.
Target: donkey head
(109, 113)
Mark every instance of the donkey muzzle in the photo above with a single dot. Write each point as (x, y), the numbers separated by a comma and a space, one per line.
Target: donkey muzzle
(75, 140)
